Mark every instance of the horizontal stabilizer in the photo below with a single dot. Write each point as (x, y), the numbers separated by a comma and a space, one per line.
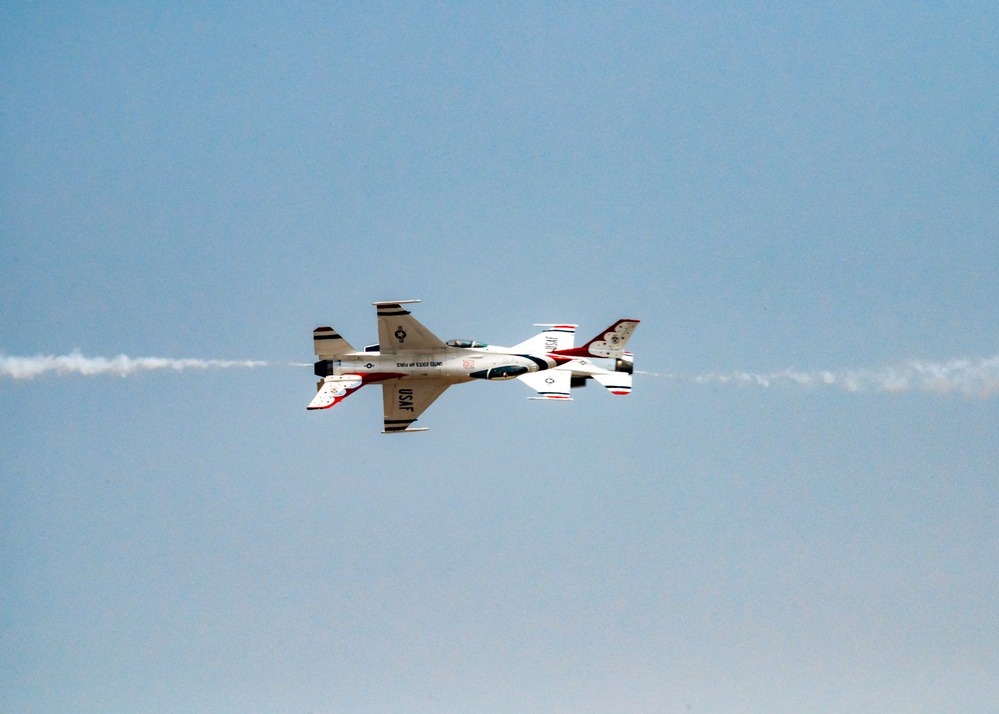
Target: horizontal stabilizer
(333, 390)
(617, 382)
(328, 343)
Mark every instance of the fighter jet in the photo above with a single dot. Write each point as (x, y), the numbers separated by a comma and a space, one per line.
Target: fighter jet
(414, 366)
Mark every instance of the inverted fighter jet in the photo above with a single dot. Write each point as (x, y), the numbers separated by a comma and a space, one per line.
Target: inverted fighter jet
(414, 366)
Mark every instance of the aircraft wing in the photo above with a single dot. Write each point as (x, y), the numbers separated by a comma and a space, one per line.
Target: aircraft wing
(333, 390)
(549, 384)
(405, 399)
(398, 330)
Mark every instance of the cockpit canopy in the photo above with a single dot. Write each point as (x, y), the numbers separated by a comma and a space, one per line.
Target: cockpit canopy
(466, 344)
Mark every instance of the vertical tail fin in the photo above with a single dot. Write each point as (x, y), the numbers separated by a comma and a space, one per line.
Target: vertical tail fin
(609, 343)
(333, 390)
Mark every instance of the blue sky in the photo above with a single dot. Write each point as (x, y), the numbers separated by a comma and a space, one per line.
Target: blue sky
(771, 190)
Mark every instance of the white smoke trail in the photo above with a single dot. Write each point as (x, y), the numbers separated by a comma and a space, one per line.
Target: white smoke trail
(122, 365)
(970, 377)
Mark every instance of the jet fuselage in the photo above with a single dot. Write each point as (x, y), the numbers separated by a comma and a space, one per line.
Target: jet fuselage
(453, 364)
